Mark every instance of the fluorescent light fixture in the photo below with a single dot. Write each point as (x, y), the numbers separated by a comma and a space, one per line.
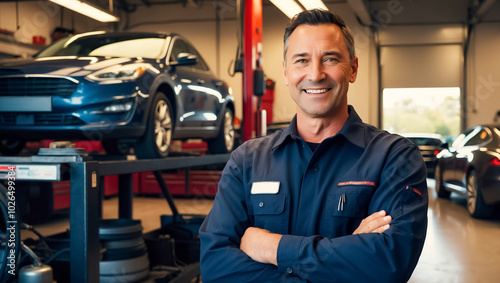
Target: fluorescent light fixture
(88, 10)
(289, 7)
(313, 4)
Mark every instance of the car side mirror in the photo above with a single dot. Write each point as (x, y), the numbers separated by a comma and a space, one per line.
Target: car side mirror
(185, 59)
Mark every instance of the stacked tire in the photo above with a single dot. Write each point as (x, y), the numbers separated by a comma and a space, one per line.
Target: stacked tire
(125, 258)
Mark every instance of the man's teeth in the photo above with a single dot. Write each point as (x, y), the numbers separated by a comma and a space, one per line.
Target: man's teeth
(316, 90)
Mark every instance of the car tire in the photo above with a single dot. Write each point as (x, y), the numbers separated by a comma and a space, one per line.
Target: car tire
(224, 142)
(113, 147)
(475, 202)
(159, 131)
(440, 189)
(11, 147)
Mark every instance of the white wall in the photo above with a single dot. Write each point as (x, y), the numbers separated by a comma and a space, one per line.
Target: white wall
(484, 75)
(39, 18)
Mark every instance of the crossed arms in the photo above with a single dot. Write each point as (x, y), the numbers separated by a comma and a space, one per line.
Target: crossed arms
(380, 249)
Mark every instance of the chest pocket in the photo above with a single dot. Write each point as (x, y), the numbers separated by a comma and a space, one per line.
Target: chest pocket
(269, 212)
(350, 201)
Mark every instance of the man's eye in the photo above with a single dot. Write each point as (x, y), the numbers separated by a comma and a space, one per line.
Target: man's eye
(332, 60)
(300, 61)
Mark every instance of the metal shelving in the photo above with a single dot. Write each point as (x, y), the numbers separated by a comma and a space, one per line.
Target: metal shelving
(85, 173)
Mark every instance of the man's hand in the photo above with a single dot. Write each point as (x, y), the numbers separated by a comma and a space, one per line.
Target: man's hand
(261, 245)
(375, 223)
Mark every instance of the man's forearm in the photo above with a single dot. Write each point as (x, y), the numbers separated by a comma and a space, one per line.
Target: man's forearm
(262, 245)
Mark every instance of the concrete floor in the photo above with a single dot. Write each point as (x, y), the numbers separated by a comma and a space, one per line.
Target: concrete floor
(458, 248)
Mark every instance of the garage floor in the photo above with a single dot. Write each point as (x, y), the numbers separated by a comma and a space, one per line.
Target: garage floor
(458, 248)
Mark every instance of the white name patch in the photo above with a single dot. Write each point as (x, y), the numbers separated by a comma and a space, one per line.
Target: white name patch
(265, 188)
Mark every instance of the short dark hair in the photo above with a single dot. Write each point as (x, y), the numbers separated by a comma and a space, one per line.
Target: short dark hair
(316, 17)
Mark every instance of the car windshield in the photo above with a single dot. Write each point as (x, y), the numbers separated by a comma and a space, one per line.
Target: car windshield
(425, 141)
(115, 45)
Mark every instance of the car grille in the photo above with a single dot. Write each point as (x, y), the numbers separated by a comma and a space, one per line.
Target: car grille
(42, 119)
(20, 86)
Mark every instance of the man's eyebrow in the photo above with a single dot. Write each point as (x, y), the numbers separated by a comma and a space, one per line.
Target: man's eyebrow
(327, 53)
(303, 54)
(334, 53)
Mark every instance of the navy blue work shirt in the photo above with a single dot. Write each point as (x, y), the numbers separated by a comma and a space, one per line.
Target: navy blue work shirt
(316, 200)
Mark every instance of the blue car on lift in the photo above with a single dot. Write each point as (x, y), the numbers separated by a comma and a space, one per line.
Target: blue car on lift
(124, 89)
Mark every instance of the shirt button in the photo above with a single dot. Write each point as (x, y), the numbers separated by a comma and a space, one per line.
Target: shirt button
(289, 270)
(261, 204)
(316, 169)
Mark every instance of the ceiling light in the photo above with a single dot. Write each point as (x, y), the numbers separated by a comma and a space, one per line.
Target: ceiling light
(88, 10)
(313, 4)
(289, 7)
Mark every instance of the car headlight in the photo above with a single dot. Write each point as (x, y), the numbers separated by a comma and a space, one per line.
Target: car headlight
(118, 107)
(124, 72)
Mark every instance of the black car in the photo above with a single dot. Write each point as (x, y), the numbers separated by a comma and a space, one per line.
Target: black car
(471, 168)
(429, 146)
(124, 89)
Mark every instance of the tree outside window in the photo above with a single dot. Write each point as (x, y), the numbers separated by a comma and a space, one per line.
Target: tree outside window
(422, 110)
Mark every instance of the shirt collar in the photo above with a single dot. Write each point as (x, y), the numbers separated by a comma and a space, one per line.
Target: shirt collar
(353, 130)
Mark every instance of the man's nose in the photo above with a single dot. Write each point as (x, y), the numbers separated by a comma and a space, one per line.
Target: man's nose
(316, 72)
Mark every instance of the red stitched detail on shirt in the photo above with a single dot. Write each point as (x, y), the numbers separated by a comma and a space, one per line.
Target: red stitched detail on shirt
(357, 183)
(417, 191)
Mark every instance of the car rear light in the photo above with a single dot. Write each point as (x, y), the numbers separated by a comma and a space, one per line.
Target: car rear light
(495, 162)
(436, 152)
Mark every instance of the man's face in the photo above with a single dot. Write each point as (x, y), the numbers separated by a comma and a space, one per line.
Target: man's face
(317, 69)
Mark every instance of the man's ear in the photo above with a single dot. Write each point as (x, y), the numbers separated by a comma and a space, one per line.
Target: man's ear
(285, 76)
(354, 69)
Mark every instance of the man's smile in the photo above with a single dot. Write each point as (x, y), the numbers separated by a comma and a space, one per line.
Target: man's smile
(317, 91)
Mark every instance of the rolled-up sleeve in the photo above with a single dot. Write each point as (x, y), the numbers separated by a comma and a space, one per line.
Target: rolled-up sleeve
(371, 257)
(221, 232)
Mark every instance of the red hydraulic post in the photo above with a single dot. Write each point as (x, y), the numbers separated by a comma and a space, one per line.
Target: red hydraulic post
(252, 50)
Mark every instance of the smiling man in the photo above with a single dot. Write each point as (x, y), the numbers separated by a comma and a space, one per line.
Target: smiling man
(328, 199)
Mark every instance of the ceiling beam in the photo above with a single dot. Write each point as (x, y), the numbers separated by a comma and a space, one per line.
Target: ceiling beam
(361, 11)
(480, 10)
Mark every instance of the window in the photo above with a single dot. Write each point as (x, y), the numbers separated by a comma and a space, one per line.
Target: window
(180, 46)
(200, 65)
(422, 110)
(459, 141)
(479, 137)
(118, 45)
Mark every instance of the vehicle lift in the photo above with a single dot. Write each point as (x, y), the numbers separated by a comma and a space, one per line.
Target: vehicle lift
(254, 84)
(86, 174)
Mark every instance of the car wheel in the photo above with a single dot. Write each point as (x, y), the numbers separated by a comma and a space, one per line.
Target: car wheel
(156, 141)
(475, 203)
(224, 142)
(113, 147)
(438, 177)
(11, 146)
